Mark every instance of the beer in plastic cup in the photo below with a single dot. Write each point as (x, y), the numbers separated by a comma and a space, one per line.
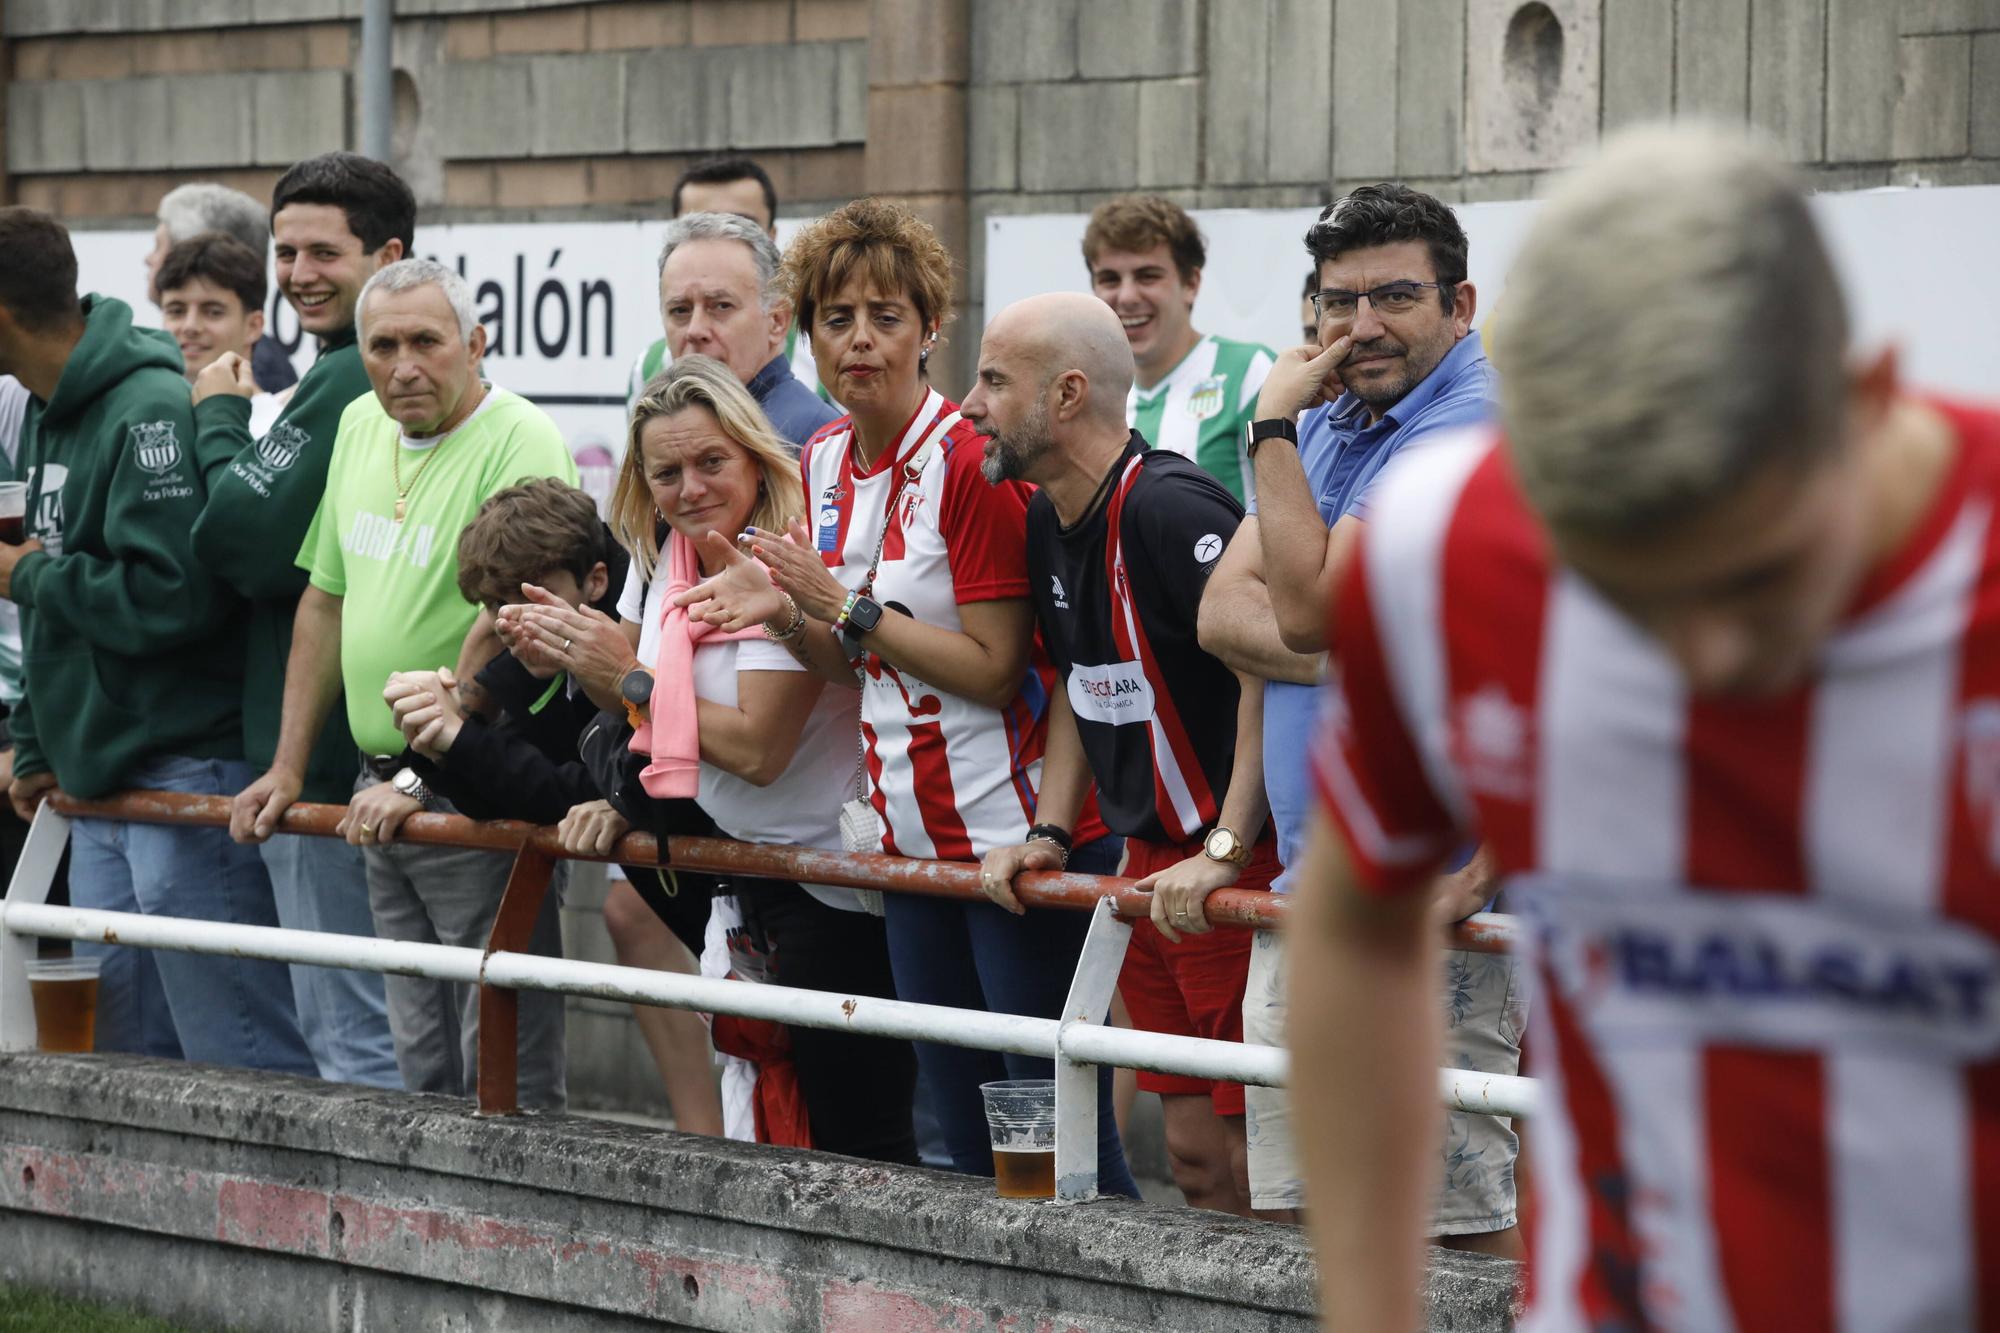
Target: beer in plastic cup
(1021, 1117)
(65, 991)
(13, 512)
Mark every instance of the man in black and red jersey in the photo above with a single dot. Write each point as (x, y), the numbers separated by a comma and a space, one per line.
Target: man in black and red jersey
(1705, 646)
(1120, 539)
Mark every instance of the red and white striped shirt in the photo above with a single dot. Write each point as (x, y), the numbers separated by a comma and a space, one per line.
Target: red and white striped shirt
(1768, 1005)
(950, 778)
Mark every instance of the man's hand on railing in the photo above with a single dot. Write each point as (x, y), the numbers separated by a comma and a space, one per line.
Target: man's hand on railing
(375, 814)
(591, 829)
(1181, 891)
(25, 794)
(997, 870)
(254, 814)
(1459, 894)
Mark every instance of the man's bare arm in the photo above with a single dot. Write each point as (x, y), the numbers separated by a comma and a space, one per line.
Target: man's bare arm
(1365, 1038)
(1303, 564)
(1237, 624)
(312, 683)
(1302, 559)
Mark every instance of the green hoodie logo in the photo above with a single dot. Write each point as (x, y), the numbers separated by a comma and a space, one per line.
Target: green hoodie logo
(158, 449)
(280, 448)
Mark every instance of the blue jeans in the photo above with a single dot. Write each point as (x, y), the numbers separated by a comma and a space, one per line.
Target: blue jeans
(217, 1010)
(976, 956)
(322, 884)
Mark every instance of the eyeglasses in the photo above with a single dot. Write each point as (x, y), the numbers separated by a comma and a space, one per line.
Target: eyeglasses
(1391, 298)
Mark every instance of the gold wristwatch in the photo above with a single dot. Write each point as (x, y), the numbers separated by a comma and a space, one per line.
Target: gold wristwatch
(1223, 845)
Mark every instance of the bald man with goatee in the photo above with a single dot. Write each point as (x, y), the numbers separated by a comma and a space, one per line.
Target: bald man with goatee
(1121, 539)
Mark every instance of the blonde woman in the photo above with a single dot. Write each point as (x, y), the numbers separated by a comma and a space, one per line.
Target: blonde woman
(735, 723)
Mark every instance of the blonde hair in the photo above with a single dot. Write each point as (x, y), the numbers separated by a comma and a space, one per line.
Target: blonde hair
(701, 381)
(1673, 324)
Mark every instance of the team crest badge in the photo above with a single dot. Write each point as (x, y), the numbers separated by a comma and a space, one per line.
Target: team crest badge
(1494, 744)
(1979, 744)
(1205, 399)
(280, 448)
(156, 446)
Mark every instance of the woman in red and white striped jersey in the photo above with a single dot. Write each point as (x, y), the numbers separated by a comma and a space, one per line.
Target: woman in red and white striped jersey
(908, 579)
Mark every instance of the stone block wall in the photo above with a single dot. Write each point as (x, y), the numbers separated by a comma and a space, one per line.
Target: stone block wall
(968, 108)
(503, 107)
(1258, 103)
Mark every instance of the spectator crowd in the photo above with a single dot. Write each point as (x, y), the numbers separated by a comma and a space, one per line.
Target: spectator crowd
(1072, 614)
(1027, 624)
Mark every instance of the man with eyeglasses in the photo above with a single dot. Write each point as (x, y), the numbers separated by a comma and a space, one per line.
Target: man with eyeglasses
(1396, 364)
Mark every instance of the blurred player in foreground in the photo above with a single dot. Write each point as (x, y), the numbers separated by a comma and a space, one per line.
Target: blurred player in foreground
(1705, 645)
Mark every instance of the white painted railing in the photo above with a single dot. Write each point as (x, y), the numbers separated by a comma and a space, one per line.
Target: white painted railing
(1077, 1042)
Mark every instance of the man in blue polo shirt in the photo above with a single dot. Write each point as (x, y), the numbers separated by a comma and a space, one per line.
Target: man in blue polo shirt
(1397, 364)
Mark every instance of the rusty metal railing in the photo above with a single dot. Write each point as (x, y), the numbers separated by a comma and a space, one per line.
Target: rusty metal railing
(537, 852)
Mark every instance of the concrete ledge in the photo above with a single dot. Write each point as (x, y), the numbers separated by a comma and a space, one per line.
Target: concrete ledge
(289, 1204)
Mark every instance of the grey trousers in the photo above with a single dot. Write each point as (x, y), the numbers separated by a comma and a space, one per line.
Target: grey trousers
(445, 895)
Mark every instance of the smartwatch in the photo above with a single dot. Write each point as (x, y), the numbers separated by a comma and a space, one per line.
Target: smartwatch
(862, 618)
(1223, 845)
(635, 687)
(407, 783)
(1275, 428)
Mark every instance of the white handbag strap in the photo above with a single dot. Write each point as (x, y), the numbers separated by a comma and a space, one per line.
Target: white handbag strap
(912, 471)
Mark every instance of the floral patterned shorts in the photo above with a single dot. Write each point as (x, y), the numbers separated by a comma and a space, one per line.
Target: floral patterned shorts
(1485, 1010)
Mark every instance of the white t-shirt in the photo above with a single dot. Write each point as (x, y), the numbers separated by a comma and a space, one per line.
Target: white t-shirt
(802, 807)
(264, 411)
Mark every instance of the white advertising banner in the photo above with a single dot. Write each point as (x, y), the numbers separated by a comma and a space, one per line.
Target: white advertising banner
(1913, 261)
(568, 309)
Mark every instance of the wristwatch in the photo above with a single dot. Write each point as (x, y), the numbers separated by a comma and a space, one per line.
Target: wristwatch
(862, 618)
(407, 783)
(1223, 845)
(635, 687)
(1274, 428)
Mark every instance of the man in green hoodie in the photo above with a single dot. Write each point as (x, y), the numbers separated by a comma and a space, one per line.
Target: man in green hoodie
(132, 657)
(336, 218)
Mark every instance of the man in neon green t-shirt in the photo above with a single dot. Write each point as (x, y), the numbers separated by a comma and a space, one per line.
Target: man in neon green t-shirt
(412, 463)
(1193, 393)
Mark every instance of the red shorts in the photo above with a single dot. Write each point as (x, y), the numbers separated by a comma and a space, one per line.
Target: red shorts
(1194, 988)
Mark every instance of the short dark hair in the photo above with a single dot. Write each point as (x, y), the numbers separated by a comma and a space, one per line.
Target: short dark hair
(378, 203)
(721, 170)
(37, 270)
(1136, 223)
(1384, 214)
(524, 533)
(220, 259)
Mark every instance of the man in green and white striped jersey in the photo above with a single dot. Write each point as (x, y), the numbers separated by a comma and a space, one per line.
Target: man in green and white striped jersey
(1194, 393)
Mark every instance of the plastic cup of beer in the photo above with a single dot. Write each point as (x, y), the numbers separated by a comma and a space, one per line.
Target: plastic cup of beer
(13, 512)
(1021, 1116)
(65, 991)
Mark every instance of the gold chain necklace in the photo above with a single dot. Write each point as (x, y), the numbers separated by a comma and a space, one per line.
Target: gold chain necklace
(396, 474)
